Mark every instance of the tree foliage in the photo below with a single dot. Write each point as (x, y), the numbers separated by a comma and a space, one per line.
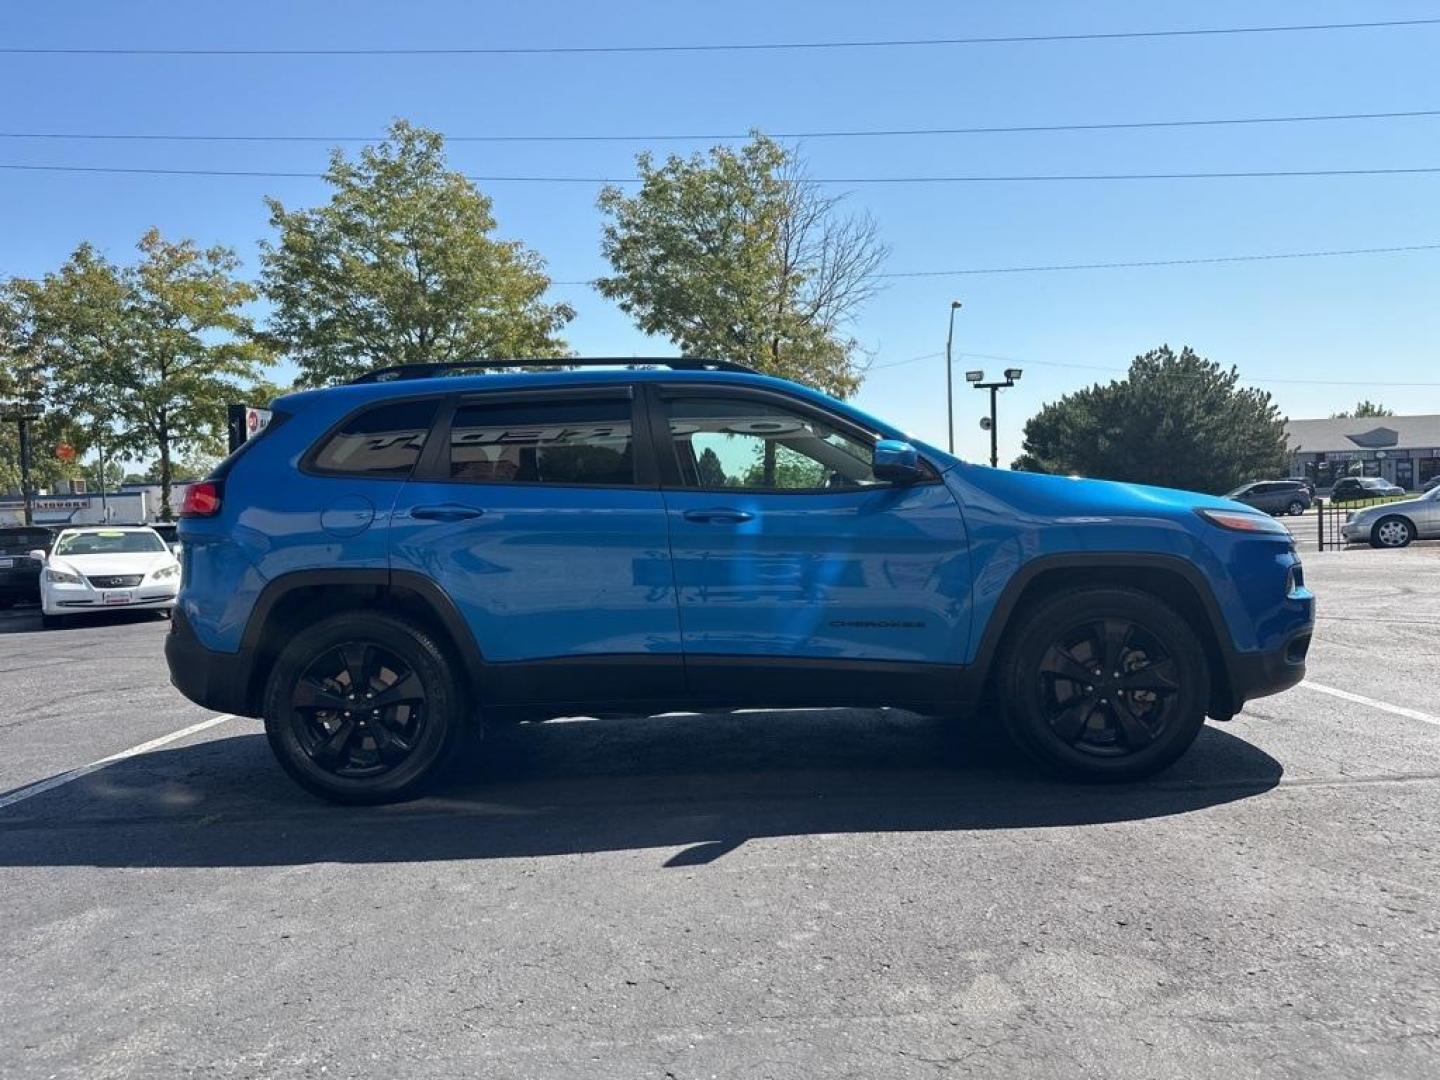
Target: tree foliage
(400, 267)
(736, 255)
(148, 354)
(1175, 420)
(1362, 409)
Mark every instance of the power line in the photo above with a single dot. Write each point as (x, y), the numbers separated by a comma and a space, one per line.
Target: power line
(1268, 256)
(766, 46)
(698, 136)
(1215, 259)
(1125, 370)
(977, 179)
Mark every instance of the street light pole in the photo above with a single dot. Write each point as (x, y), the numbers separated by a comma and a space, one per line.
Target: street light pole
(977, 380)
(950, 376)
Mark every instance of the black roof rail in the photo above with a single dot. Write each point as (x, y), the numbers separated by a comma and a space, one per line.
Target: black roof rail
(397, 372)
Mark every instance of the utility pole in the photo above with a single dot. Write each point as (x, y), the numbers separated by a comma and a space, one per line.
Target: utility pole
(950, 376)
(977, 380)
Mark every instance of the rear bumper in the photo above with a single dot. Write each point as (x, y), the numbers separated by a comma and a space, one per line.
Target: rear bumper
(216, 680)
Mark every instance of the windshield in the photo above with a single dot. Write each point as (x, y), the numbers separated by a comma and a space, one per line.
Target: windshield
(109, 542)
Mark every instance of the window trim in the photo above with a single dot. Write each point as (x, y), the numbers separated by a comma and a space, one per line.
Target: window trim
(308, 459)
(671, 478)
(434, 464)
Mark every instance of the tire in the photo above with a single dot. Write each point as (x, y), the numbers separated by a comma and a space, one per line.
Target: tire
(1392, 532)
(1295, 509)
(1112, 728)
(50, 622)
(344, 755)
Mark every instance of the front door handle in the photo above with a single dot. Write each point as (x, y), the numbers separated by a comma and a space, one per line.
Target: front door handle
(722, 515)
(445, 512)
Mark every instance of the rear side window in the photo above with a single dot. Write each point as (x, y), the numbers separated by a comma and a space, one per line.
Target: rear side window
(382, 442)
(543, 442)
(20, 541)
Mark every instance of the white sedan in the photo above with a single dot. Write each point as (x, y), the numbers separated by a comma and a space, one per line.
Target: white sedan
(107, 569)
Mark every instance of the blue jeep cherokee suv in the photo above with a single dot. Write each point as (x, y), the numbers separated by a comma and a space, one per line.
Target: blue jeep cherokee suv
(396, 560)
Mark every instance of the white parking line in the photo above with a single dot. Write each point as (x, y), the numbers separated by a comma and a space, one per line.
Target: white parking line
(85, 770)
(1361, 699)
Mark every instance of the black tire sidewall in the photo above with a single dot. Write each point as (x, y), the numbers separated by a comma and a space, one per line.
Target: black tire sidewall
(443, 705)
(1022, 686)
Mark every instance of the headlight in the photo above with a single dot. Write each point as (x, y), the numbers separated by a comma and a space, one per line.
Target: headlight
(1240, 521)
(164, 572)
(63, 577)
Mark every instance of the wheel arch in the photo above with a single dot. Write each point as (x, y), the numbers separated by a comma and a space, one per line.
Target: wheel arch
(1169, 578)
(297, 599)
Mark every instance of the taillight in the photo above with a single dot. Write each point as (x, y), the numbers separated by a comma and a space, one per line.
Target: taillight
(201, 499)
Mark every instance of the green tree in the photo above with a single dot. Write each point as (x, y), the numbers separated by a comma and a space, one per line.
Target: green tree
(711, 471)
(152, 352)
(1176, 420)
(27, 386)
(736, 255)
(400, 267)
(1364, 408)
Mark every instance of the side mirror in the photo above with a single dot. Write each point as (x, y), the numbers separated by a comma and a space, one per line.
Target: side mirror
(896, 462)
(36, 554)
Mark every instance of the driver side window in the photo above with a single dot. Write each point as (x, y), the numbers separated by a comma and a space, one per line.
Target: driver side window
(740, 444)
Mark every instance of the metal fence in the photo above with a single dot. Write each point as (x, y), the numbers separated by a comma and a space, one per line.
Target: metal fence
(1330, 517)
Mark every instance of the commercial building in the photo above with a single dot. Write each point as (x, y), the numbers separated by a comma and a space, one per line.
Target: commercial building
(1403, 449)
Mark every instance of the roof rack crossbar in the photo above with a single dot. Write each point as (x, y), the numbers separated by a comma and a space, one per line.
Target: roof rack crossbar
(397, 372)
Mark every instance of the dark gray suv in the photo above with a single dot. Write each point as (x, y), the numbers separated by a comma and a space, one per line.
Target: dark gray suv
(1274, 496)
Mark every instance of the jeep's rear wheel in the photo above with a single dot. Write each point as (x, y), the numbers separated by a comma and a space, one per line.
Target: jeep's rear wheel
(1296, 508)
(363, 708)
(1104, 684)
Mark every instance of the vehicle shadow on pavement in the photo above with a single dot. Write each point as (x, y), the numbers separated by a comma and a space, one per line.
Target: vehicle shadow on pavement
(703, 784)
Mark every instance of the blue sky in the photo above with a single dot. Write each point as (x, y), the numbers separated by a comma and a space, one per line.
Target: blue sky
(1343, 320)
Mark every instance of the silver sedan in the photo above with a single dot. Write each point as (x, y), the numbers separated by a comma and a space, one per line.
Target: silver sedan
(1395, 524)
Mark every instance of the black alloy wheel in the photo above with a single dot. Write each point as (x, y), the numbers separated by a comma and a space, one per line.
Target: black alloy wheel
(358, 710)
(1109, 687)
(1104, 683)
(364, 707)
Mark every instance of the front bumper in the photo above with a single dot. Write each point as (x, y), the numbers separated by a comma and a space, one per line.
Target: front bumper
(216, 680)
(79, 601)
(1356, 532)
(1259, 674)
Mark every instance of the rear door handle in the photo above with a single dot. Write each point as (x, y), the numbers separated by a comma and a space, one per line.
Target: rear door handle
(723, 515)
(445, 512)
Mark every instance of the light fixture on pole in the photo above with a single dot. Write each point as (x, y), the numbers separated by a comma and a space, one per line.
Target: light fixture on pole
(950, 376)
(977, 380)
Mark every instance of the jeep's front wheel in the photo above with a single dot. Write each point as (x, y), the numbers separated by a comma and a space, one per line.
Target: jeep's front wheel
(1104, 684)
(363, 708)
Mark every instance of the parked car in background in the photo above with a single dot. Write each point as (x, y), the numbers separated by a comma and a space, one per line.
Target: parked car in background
(1308, 485)
(1357, 488)
(105, 568)
(166, 530)
(1432, 483)
(1395, 524)
(19, 570)
(1274, 496)
(398, 560)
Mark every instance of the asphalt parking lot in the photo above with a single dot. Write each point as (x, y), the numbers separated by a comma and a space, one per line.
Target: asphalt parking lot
(792, 894)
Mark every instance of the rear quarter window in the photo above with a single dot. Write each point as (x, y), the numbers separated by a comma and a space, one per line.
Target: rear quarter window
(383, 441)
